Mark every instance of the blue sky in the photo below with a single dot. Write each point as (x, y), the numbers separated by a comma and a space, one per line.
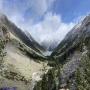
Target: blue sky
(46, 20)
(71, 9)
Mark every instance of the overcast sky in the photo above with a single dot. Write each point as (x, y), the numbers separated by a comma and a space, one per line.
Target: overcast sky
(45, 19)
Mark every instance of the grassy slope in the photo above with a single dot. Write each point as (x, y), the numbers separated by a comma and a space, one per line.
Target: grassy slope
(19, 66)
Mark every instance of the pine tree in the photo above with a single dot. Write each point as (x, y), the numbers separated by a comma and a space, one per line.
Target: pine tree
(2, 54)
(83, 73)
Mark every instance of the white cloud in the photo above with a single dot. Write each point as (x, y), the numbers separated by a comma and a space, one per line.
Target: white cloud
(51, 28)
(37, 8)
(16, 9)
(40, 6)
(1, 5)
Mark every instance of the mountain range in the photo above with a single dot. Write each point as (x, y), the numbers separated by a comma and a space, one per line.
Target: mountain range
(25, 57)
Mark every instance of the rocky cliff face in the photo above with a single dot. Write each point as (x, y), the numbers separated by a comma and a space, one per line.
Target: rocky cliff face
(69, 54)
(24, 37)
(23, 57)
(70, 51)
(77, 36)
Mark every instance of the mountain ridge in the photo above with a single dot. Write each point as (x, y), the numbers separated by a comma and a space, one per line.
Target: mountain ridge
(70, 52)
(75, 36)
(20, 34)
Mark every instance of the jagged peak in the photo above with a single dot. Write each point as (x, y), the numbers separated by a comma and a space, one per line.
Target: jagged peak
(86, 19)
(3, 17)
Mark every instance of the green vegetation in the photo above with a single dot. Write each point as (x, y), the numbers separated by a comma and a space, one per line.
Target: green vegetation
(15, 76)
(4, 72)
(27, 50)
(83, 73)
(50, 80)
(2, 54)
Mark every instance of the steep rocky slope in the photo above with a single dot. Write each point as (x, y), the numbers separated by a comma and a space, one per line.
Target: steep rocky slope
(74, 39)
(68, 56)
(22, 60)
(25, 37)
(71, 50)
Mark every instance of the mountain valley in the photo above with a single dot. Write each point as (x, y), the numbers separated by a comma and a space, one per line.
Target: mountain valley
(27, 65)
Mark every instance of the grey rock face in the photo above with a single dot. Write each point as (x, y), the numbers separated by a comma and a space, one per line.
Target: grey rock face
(70, 67)
(78, 34)
(24, 37)
(71, 47)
